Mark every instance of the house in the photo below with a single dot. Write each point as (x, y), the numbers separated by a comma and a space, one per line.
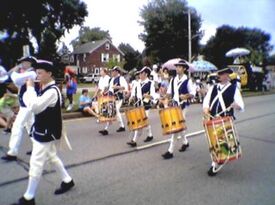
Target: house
(91, 56)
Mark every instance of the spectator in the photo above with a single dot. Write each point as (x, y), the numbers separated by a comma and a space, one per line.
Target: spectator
(86, 105)
(71, 87)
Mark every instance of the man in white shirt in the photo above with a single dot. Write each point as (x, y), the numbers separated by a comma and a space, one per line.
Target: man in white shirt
(117, 87)
(24, 118)
(181, 89)
(46, 130)
(221, 99)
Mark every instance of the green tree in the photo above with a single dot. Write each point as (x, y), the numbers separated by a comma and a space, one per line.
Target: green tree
(132, 57)
(228, 37)
(87, 34)
(22, 20)
(166, 29)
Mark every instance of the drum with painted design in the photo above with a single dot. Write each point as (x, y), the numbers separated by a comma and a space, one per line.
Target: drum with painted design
(222, 139)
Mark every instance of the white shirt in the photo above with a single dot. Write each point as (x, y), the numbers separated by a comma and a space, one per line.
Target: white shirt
(103, 82)
(138, 86)
(177, 83)
(237, 97)
(39, 103)
(122, 81)
(20, 79)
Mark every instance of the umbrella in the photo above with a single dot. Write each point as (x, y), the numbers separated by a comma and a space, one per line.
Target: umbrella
(170, 64)
(203, 66)
(237, 52)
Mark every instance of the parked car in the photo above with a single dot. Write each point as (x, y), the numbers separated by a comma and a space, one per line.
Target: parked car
(91, 78)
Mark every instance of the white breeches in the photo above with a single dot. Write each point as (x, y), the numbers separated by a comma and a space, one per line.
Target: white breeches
(24, 118)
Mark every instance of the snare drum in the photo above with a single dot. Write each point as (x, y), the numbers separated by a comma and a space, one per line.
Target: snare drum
(136, 118)
(172, 120)
(222, 139)
(106, 108)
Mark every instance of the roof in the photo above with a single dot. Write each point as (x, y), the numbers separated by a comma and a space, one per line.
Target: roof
(92, 46)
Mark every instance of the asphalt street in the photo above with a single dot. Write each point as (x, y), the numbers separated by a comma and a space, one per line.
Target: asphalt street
(109, 172)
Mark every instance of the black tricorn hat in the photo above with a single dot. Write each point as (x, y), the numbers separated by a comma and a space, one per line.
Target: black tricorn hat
(145, 69)
(225, 70)
(30, 59)
(182, 63)
(45, 65)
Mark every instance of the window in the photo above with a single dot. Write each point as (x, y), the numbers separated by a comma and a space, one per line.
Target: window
(107, 46)
(104, 57)
(116, 57)
(84, 57)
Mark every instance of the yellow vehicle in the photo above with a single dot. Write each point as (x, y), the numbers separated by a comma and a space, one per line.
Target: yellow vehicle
(239, 70)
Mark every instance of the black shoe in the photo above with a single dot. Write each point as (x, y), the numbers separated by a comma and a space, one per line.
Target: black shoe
(121, 129)
(9, 158)
(7, 131)
(184, 147)
(148, 139)
(23, 201)
(132, 143)
(29, 153)
(64, 187)
(167, 155)
(211, 172)
(104, 132)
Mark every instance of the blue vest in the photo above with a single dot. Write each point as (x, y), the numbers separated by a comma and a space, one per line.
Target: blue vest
(182, 91)
(119, 95)
(48, 124)
(146, 89)
(228, 97)
(23, 90)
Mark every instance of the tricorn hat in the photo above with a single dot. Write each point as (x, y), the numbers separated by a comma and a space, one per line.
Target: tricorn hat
(182, 63)
(145, 69)
(30, 59)
(225, 70)
(45, 65)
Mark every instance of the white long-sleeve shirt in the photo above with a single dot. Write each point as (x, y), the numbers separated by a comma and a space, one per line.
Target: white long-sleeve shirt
(237, 97)
(20, 79)
(39, 103)
(177, 83)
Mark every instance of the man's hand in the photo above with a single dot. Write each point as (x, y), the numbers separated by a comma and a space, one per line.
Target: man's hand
(30, 83)
(235, 106)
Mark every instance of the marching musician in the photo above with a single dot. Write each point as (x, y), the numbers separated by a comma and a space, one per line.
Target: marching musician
(19, 75)
(221, 99)
(102, 87)
(117, 86)
(46, 130)
(143, 93)
(181, 90)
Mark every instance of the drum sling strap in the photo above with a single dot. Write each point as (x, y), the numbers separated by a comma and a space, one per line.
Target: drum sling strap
(220, 98)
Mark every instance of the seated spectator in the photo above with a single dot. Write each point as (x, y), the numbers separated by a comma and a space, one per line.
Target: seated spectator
(8, 110)
(86, 105)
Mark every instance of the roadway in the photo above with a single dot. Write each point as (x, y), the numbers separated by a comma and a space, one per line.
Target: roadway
(107, 171)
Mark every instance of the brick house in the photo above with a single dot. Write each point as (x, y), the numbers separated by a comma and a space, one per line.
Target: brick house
(91, 56)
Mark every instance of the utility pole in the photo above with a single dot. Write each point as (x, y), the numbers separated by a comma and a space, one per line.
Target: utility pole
(189, 40)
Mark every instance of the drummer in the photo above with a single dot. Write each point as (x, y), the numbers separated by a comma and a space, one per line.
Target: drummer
(181, 90)
(102, 87)
(117, 86)
(143, 94)
(223, 98)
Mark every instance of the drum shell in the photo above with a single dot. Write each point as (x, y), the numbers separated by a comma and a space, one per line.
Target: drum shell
(222, 139)
(172, 120)
(136, 118)
(105, 104)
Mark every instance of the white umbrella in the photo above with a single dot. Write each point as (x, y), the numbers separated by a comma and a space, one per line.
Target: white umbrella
(204, 66)
(170, 64)
(237, 52)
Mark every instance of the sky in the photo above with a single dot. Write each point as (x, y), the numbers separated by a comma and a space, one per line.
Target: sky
(120, 18)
